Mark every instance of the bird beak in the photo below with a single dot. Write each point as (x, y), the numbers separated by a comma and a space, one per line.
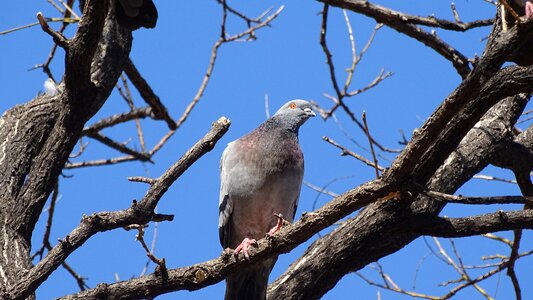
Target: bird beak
(309, 112)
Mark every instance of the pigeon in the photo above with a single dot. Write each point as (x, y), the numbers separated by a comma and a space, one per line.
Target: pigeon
(134, 14)
(260, 179)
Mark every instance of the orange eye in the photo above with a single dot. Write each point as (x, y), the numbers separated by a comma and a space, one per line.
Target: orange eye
(292, 105)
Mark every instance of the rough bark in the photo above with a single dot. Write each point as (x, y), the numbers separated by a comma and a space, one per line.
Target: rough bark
(37, 137)
(385, 227)
(470, 129)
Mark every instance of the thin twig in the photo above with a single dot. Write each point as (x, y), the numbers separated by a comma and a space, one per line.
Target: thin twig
(100, 162)
(129, 100)
(118, 146)
(509, 9)
(69, 8)
(350, 70)
(512, 260)
(345, 151)
(67, 20)
(58, 38)
(214, 52)
(148, 95)
(137, 113)
(367, 132)
(493, 178)
(54, 4)
(147, 180)
(140, 238)
(80, 281)
(478, 200)
(319, 189)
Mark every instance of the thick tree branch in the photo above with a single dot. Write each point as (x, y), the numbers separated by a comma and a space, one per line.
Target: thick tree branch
(448, 125)
(84, 44)
(37, 137)
(476, 225)
(211, 272)
(516, 153)
(385, 227)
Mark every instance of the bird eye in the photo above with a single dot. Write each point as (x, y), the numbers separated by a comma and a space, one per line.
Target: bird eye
(292, 105)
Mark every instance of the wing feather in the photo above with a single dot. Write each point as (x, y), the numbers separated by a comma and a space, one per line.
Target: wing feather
(225, 205)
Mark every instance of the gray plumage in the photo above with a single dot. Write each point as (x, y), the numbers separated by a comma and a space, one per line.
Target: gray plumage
(261, 175)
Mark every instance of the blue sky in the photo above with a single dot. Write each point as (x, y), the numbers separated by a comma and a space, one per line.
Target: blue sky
(285, 62)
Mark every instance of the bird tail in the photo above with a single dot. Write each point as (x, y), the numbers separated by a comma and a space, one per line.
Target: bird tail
(250, 283)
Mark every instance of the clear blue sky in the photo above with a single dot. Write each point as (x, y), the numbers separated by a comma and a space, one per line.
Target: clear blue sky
(286, 62)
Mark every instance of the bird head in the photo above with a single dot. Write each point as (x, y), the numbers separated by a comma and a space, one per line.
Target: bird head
(295, 112)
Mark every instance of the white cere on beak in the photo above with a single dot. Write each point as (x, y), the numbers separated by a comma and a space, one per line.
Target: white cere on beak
(309, 112)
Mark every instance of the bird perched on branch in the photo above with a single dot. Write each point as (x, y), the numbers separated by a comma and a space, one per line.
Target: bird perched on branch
(260, 179)
(136, 13)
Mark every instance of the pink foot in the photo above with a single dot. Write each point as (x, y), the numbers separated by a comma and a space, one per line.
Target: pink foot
(529, 10)
(278, 225)
(244, 246)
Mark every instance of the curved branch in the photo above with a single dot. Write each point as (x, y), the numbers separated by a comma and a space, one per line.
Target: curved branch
(213, 271)
(140, 213)
(476, 225)
(406, 24)
(137, 113)
(387, 226)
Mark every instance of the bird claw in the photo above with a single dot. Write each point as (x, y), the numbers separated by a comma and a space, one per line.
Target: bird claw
(243, 247)
(278, 225)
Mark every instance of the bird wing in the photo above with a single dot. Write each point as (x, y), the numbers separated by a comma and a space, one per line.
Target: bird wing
(225, 205)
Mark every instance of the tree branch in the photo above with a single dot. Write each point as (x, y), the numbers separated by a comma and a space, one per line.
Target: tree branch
(478, 200)
(159, 110)
(138, 113)
(140, 213)
(213, 271)
(400, 22)
(476, 225)
(387, 226)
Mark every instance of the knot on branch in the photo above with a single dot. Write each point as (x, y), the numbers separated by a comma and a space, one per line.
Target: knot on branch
(93, 219)
(65, 243)
(502, 216)
(200, 275)
(101, 290)
(161, 269)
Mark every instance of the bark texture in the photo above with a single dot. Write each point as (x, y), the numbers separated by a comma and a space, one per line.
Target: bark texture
(37, 137)
(473, 127)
